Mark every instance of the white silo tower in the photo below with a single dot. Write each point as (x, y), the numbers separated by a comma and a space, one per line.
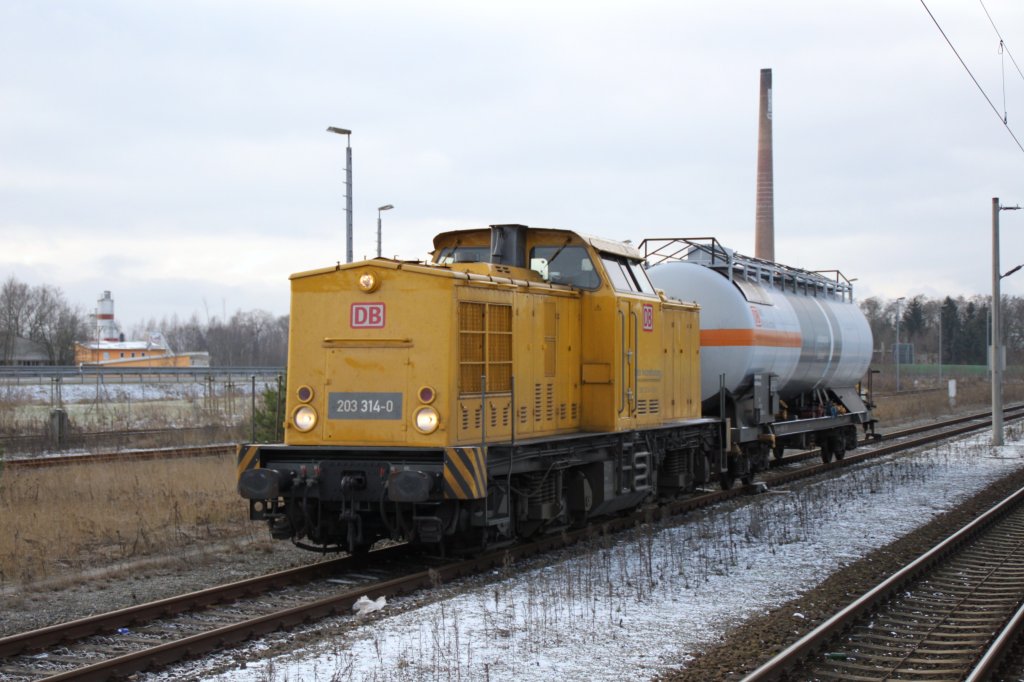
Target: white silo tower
(106, 328)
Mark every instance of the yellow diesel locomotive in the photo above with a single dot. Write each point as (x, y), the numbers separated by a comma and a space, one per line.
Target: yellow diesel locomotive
(523, 380)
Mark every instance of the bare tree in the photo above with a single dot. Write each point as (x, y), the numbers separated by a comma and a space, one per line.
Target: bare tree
(246, 339)
(40, 314)
(15, 310)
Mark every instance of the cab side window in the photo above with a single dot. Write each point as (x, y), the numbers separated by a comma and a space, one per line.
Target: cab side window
(627, 276)
(463, 254)
(569, 265)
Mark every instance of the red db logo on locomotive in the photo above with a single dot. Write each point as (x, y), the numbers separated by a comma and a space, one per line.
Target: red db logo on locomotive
(648, 317)
(367, 316)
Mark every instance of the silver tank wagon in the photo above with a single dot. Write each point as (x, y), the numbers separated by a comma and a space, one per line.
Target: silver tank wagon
(778, 344)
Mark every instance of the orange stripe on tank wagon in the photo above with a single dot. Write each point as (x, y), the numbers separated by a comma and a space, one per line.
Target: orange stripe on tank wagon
(750, 337)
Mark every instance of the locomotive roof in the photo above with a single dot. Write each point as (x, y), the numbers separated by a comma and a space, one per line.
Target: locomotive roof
(600, 243)
(428, 269)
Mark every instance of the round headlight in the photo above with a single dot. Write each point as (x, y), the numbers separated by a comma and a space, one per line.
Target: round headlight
(368, 282)
(426, 420)
(304, 418)
(304, 394)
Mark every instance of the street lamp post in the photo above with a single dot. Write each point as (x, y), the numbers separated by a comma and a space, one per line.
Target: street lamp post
(385, 207)
(901, 298)
(997, 357)
(348, 189)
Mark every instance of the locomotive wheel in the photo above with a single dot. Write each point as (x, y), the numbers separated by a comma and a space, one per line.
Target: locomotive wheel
(726, 480)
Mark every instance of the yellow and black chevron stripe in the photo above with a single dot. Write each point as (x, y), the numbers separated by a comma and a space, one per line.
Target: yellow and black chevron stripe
(465, 473)
(247, 458)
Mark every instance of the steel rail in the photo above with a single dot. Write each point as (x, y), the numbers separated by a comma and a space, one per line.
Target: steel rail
(779, 666)
(975, 422)
(998, 651)
(41, 638)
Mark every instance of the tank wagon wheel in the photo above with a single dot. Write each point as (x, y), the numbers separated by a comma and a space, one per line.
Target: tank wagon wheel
(361, 550)
(826, 450)
(778, 450)
(726, 480)
(838, 444)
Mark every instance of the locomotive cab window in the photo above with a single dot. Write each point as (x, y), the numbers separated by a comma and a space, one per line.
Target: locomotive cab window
(626, 275)
(569, 265)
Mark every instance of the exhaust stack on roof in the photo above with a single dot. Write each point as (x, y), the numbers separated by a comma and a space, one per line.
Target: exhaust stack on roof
(764, 221)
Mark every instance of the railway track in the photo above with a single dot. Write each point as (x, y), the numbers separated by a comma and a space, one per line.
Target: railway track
(94, 648)
(156, 634)
(894, 441)
(123, 456)
(140, 637)
(952, 614)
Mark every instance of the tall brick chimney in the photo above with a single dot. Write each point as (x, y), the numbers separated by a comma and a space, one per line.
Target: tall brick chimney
(764, 220)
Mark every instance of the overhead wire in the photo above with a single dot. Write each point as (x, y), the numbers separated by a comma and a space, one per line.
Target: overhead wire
(1002, 43)
(1002, 72)
(984, 94)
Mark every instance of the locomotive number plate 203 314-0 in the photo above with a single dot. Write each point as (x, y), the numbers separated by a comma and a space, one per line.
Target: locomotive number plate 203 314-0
(364, 406)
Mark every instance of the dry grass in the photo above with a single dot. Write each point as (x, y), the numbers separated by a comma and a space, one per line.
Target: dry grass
(972, 395)
(80, 517)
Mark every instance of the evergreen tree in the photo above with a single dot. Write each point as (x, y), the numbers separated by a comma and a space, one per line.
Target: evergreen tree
(949, 323)
(269, 414)
(914, 320)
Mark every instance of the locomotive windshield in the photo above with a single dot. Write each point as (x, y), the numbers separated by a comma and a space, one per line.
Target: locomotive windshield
(565, 265)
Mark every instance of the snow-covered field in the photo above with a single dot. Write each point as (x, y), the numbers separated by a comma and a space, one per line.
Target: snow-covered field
(642, 604)
(43, 394)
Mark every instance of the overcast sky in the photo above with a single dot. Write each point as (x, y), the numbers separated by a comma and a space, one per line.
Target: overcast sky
(176, 153)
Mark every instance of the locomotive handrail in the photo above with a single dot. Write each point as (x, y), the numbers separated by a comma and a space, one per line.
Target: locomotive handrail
(365, 343)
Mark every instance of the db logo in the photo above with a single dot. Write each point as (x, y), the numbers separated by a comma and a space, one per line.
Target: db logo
(367, 315)
(648, 317)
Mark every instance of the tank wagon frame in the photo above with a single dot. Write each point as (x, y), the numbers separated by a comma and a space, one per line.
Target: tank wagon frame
(522, 381)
